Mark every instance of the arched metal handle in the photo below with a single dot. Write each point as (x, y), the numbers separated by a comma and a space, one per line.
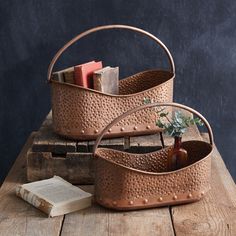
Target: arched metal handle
(107, 27)
(115, 121)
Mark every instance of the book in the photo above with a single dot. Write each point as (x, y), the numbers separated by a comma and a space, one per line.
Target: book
(69, 75)
(66, 75)
(77, 73)
(84, 73)
(106, 80)
(58, 76)
(54, 196)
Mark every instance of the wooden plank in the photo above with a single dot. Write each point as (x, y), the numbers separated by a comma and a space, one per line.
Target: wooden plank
(18, 217)
(216, 213)
(116, 143)
(73, 167)
(82, 146)
(101, 221)
(47, 141)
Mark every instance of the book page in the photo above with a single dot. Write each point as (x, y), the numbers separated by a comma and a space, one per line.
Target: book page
(56, 190)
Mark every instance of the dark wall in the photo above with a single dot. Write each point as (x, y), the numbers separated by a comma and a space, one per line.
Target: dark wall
(201, 36)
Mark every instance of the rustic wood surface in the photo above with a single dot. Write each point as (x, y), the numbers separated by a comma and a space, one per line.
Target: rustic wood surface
(214, 215)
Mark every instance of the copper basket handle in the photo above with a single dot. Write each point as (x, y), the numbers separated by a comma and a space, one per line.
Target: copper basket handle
(106, 27)
(115, 121)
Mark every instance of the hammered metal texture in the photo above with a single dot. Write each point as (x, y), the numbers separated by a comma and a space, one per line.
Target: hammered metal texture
(119, 175)
(79, 112)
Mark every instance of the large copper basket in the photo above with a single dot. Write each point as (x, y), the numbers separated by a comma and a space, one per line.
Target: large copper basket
(127, 181)
(81, 113)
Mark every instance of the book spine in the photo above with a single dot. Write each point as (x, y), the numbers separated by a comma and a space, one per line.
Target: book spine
(69, 77)
(78, 77)
(97, 82)
(107, 81)
(58, 76)
(34, 200)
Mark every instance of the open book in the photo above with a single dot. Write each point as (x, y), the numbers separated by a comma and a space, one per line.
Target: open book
(54, 196)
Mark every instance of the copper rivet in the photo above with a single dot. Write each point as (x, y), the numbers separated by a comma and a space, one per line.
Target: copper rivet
(202, 193)
(131, 202)
(148, 127)
(114, 203)
(175, 197)
(122, 128)
(82, 131)
(135, 127)
(96, 130)
(109, 130)
(145, 201)
(190, 195)
(160, 199)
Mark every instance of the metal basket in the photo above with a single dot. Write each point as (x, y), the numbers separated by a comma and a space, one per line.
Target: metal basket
(81, 113)
(127, 181)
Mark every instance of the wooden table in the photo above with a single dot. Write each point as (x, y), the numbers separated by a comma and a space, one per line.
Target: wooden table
(214, 215)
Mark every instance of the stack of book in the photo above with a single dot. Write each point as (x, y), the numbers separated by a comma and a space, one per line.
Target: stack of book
(91, 75)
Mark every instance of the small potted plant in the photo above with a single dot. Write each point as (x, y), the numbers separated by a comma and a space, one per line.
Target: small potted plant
(175, 126)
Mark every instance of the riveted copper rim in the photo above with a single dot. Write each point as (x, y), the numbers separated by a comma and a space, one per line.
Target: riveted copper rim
(150, 202)
(91, 134)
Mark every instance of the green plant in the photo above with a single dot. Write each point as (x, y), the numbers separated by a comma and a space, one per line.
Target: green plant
(177, 125)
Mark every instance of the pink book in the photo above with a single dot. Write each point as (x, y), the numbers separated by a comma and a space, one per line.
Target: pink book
(84, 73)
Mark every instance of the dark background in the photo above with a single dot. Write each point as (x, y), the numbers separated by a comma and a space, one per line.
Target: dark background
(201, 36)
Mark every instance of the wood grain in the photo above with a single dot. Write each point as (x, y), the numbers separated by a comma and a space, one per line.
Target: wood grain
(216, 213)
(18, 217)
(73, 167)
(100, 221)
(46, 140)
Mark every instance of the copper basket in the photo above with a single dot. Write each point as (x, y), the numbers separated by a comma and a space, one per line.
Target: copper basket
(127, 181)
(81, 113)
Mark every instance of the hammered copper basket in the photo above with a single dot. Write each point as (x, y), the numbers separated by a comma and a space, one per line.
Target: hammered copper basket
(127, 181)
(81, 113)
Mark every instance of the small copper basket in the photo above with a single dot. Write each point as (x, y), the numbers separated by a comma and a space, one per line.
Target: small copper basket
(127, 181)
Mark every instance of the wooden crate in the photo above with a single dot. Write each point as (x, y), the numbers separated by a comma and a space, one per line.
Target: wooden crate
(52, 155)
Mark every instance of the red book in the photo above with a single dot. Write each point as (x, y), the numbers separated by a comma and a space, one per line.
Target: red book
(84, 73)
